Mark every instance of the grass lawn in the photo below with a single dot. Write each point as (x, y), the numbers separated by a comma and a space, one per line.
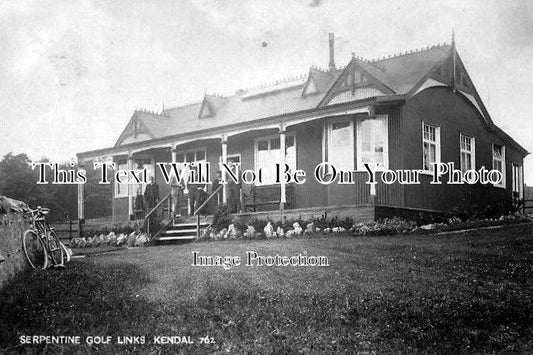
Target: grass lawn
(459, 293)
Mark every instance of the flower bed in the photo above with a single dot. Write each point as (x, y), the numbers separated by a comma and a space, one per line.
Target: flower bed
(134, 239)
(264, 229)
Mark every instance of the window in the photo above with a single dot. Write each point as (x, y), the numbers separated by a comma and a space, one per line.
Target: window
(498, 161)
(191, 156)
(121, 190)
(468, 153)
(518, 186)
(144, 163)
(196, 155)
(430, 146)
(340, 152)
(372, 142)
(267, 154)
(232, 160)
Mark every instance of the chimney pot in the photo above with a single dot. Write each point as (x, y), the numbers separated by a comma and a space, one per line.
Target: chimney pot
(331, 51)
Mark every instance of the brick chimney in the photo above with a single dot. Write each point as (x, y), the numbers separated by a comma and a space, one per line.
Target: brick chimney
(331, 51)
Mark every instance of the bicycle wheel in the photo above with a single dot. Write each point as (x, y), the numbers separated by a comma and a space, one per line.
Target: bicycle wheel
(34, 250)
(55, 251)
(65, 252)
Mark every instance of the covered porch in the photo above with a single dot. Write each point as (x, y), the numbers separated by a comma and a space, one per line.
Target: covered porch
(335, 135)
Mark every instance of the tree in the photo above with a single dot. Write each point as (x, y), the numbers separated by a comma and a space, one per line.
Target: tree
(19, 181)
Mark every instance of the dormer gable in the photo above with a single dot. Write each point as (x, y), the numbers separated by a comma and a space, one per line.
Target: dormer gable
(319, 81)
(310, 87)
(205, 110)
(210, 105)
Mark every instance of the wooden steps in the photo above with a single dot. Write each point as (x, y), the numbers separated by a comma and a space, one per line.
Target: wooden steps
(183, 228)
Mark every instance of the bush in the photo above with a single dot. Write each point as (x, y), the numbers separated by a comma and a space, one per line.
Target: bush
(259, 224)
(324, 222)
(240, 227)
(221, 218)
(387, 226)
(478, 202)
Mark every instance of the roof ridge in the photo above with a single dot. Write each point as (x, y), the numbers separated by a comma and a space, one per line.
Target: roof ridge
(217, 95)
(182, 105)
(321, 70)
(152, 112)
(408, 52)
(286, 79)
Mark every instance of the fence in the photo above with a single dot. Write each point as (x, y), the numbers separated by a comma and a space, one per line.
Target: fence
(67, 230)
(528, 206)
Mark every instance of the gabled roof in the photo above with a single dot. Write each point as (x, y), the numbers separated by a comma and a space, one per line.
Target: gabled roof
(140, 122)
(399, 75)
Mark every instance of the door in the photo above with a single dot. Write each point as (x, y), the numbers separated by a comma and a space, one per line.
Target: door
(341, 154)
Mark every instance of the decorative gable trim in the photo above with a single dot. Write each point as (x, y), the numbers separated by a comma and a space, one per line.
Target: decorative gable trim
(438, 74)
(354, 95)
(429, 83)
(352, 77)
(444, 70)
(470, 90)
(473, 100)
(134, 128)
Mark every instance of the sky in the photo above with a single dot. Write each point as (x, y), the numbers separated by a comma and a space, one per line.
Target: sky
(73, 72)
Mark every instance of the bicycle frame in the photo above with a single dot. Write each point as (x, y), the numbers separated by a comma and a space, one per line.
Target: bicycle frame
(39, 224)
(43, 231)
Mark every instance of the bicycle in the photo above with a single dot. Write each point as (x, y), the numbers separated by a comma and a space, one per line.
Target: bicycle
(41, 243)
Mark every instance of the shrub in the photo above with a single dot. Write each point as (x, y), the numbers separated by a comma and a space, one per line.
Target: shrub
(387, 226)
(321, 222)
(240, 227)
(478, 202)
(221, 218)
(259, 224)
(324, 222)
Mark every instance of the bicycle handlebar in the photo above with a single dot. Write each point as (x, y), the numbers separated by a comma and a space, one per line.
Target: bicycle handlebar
(39, 211)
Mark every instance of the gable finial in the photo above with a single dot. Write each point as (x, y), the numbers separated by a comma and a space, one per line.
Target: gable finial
(453, 37)
(454, 65)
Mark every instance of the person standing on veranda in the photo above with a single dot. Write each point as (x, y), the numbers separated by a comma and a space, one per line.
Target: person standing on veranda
(151, 194)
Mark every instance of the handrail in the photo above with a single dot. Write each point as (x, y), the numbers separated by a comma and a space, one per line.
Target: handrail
(197, 212)
(157, 206)
(169, 195)
(207, 200)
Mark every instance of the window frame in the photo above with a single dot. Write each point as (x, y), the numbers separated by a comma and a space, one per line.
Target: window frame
(358, 142)
(152, 164)
(502, 159)
(195, 150)
(520, 177)
(116, 192)
(269, 138)
(437, 144)
(184, 152)
(230, 156)
(329, 129)
(472, 151)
